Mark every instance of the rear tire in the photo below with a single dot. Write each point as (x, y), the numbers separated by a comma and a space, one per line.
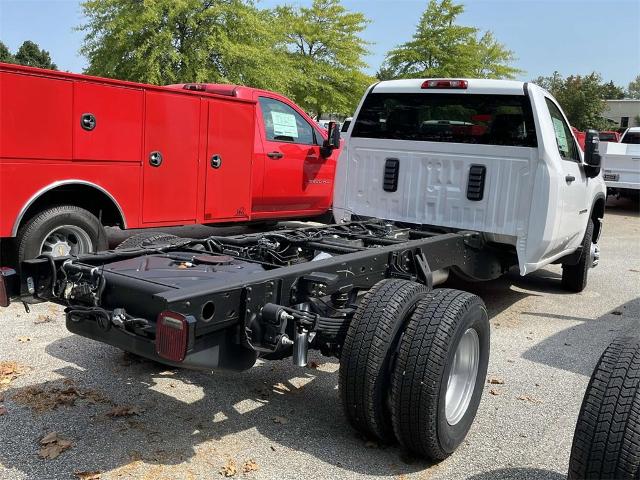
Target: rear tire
(61, 231)
(146, 239)
(606, 443)
(439, 373)
(367, 355)
(574, 277)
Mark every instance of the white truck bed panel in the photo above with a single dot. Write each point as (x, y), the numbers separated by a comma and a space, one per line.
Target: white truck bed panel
(621, 163)
(432, 184)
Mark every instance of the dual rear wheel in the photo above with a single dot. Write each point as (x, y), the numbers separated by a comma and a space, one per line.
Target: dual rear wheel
(413, 366)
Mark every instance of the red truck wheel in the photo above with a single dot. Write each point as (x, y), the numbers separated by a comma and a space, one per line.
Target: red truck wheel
(61, 231)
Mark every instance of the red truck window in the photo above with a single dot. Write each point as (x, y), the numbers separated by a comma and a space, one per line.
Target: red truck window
(283, 124)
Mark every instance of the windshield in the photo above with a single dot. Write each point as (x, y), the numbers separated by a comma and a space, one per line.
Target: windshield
(632, 137)
(459, 118)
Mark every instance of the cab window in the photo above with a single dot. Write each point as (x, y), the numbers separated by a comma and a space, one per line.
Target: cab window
(564, 139)
(283, 124)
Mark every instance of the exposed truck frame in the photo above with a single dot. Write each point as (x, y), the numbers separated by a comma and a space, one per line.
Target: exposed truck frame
(223, 302)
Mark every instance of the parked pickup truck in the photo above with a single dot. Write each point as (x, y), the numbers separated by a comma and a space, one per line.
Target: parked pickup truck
(78, 153)
(438, 178)
(621, 164)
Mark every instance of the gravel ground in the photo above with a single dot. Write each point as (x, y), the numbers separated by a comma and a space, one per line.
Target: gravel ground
(277, 421)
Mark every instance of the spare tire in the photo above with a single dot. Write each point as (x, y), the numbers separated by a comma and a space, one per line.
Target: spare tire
(146, 239)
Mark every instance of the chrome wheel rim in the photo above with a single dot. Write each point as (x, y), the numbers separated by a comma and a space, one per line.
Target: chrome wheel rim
(66, 240)
(462, 377)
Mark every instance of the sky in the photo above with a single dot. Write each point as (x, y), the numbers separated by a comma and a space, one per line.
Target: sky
(570, 36)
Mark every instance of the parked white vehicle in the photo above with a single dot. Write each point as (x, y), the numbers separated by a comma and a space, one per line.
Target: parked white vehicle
(492, 156)
(621, 164)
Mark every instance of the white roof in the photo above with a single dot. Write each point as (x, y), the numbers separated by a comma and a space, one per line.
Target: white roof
(475, 85)
(633, 129)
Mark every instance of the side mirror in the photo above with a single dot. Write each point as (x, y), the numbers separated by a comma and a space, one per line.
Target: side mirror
(592, 157)
(333, 140)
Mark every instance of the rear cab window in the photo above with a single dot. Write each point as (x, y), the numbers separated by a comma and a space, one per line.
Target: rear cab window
(564, 139)
(443, 117)
(632, 138)
(283, 124)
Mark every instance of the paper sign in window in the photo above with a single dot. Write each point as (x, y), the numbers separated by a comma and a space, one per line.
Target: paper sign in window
(284, 125)
(561, 135)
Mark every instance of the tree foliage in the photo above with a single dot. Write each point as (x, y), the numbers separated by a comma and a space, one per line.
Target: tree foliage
(29, 54)
(32, 55)
(633, 90)
(5, 54)
(312, 54)
(442, 48)
(174, 41)
(325, 55)
(581, 97)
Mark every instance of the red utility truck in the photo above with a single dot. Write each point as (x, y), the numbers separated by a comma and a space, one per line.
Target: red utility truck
(78, 153)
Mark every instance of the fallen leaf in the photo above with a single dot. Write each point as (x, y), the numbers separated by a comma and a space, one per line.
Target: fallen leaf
(124, 411)
(281, 388)
(529, 398)
(229, 469)
(24, 339)
(495, 381)
(272, 448)
(88, 475)
(313, 365)
(495, 391)
(616, 312)
(3, 410)
(249, 466)
(280, 420)
(9, 371)
(53, 445)
(43, 319)
(42, 399)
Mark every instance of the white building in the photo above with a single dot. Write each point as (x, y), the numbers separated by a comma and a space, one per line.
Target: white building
(625, 113)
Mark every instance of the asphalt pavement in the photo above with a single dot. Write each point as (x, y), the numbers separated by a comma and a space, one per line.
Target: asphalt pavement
(128, 418)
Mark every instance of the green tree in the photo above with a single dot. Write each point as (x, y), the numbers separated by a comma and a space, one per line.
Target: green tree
(325, 53)
(633, 90)
(172, 41)
(442, 48)
(5, 54)
(580, 96)
(32, 55)
(611, 91)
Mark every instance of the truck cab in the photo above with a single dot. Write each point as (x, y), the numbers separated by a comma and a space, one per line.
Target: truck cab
(493, 156)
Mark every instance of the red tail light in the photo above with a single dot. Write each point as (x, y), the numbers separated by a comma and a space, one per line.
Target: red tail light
(173, 334)
(449, 84)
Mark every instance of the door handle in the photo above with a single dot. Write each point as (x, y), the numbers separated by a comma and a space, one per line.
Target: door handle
(216, 161)
(155, 159)
(570, 178)
(275, 155)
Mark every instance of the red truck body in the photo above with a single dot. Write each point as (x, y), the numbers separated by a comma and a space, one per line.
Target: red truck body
(139, 155)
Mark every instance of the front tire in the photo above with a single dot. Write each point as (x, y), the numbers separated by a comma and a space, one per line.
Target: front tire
(606, 442)
(574, 277)
(61, 231)
(439, 373)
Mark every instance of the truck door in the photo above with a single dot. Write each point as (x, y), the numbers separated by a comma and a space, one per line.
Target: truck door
(170, 157)
(230, 136)
(573, 182)
(296, 177)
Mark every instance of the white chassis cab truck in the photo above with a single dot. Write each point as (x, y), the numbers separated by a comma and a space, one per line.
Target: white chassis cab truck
(490, 156)
(465, 176)
(621, 164)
